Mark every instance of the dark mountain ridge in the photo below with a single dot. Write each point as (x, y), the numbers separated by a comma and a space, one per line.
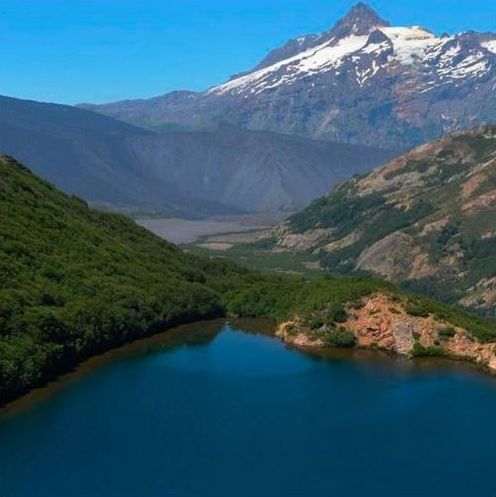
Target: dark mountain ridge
(193, 174)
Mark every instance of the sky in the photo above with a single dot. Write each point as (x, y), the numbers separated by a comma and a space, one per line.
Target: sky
(72, 51)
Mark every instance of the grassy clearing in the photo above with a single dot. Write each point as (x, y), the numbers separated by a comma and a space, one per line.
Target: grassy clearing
(262, 259)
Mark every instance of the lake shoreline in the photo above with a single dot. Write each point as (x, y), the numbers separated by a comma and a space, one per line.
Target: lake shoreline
(262, 326)
(379, 323)
(96, 361)
(195, 410)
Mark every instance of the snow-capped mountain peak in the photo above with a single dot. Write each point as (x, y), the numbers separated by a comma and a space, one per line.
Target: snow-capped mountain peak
(363, 81)
(361, 44)
(405, 46)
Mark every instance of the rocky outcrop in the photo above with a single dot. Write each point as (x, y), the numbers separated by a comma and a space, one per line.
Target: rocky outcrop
(299, 241)
(384, 323)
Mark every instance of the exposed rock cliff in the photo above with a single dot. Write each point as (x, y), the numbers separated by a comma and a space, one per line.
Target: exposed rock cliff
(384, 323)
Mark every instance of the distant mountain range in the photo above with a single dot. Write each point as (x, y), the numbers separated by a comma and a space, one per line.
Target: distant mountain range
(192, 174)
(363, 81)
(427, 220)
(313, 112)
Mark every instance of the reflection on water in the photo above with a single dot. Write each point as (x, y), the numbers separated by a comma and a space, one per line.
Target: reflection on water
(210, 410)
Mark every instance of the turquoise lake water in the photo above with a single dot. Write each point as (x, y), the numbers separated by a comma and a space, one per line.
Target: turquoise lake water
(220, 412)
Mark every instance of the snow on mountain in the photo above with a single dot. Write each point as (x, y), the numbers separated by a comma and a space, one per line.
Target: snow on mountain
(410, 44)
(490, 45)
(363, 81)
(324, 56)
(407, 46)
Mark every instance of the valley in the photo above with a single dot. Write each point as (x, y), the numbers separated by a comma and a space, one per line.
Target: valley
(231, 228)
(238, 238)
(279, 283)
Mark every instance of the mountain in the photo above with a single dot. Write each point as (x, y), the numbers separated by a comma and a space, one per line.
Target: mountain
(251, 170)
(364, 81)
(75, 282)
(87, 154)
(181, 173)
(426, 220)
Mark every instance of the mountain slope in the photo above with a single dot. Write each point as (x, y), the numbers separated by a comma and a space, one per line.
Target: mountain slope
(249, 170)
(426, 220)
(75, 282)
(87, 154)
(183, 173)
(363, 81)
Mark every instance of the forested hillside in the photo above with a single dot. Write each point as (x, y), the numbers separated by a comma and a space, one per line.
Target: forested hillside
(75, 282)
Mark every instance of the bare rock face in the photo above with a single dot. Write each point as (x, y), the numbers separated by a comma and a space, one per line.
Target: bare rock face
(363, 81)
(383, 323)
(302, 242)
(390, 257)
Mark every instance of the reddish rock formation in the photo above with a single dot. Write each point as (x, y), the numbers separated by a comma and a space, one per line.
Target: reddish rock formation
(385, 324)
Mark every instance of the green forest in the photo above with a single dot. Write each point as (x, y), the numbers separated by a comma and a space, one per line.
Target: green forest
(75, 282)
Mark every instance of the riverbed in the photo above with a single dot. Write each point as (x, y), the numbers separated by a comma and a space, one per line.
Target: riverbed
(184, 231)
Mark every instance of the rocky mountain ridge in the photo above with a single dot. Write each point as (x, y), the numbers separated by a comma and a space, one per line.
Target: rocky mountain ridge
(364, 81)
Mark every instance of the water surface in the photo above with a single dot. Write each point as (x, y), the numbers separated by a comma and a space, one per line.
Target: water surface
(219, 412)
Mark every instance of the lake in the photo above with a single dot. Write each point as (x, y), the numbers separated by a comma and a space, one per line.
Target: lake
(209, 410)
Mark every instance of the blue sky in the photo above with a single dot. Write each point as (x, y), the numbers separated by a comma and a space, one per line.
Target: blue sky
(73, 51)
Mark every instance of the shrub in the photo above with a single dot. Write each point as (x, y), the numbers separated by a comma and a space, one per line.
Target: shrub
(447, 332)
(314, 322)
(421, 351)
(417, 310)
(337, 315)
(340, 338)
